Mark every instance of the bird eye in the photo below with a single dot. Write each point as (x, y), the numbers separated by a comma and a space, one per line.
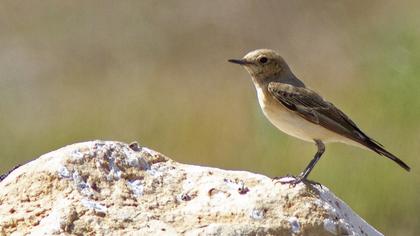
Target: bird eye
(263, 60)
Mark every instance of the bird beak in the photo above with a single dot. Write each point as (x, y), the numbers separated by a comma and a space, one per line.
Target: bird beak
(239, 61)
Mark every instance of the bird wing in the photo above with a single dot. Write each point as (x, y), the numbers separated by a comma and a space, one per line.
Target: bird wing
(312, 107)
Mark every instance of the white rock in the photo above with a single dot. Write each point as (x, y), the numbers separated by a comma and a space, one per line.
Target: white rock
(106, 188)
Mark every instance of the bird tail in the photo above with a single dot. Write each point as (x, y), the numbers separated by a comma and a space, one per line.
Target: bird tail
(377, 147)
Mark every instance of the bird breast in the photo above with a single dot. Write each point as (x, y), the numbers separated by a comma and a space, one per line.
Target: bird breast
(291, 123)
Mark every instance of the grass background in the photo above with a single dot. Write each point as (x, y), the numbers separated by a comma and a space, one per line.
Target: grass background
(156, 72)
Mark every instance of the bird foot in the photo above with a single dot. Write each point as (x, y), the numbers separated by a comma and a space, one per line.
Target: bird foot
(278, 178)
(288, 179)
(294, 180)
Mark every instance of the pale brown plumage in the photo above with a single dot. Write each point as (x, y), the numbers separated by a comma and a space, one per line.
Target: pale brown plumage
(301, 112)
(315, 109)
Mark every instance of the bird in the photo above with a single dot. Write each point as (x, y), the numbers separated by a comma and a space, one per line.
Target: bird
(299, 111)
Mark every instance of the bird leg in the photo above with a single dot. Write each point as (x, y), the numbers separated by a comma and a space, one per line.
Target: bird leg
(302, 176)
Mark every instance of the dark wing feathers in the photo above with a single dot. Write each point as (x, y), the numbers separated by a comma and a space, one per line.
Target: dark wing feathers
(312, 107)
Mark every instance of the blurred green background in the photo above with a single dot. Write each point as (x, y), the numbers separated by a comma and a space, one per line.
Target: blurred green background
(156, 72)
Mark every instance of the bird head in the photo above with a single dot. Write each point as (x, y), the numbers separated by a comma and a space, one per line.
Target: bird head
(263, 64)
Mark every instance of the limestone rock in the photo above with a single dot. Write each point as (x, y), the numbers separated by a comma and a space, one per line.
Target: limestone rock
(104, 187)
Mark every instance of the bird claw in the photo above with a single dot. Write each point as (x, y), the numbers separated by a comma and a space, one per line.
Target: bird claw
(294, 180)
(281, 177)
(288, 179)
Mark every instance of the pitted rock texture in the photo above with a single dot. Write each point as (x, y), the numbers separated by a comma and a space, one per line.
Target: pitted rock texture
(111, 188)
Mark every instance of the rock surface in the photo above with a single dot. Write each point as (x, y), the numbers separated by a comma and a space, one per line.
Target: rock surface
(102, 188)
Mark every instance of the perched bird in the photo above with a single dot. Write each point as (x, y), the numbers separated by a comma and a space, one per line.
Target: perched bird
(299, 111)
